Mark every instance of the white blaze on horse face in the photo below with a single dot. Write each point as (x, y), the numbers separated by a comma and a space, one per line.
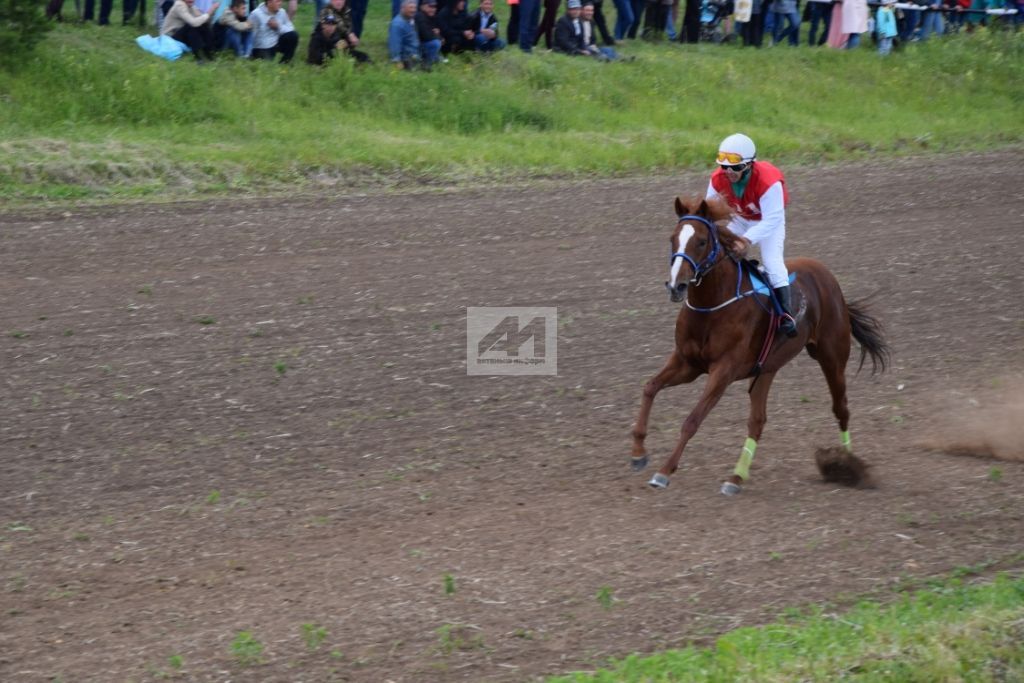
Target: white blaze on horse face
(685, 233)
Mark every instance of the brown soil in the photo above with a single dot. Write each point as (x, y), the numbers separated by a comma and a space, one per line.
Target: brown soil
(316, 454)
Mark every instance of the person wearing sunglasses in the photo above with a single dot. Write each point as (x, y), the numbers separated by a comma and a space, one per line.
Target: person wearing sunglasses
(756, 192)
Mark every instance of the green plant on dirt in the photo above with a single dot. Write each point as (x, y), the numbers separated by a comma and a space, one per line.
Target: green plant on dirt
(281, 367)
(19, 334)
(457, 637)
(605, 597)
(951, 632)
(246, 649)
(213, 497)
(449, 584)
(995, 474)
(176, 661)
(313, 635)
(206, 320)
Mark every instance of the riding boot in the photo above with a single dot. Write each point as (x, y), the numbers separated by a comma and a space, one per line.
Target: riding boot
(788, 322)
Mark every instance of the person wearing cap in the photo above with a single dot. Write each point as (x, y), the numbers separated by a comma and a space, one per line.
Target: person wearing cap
(756, 193)
(323, 43)
(346, 29)
(569, 30)
(403, 42)
(885, 26)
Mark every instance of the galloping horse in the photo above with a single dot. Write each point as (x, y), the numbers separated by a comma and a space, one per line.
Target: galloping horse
(727, 329)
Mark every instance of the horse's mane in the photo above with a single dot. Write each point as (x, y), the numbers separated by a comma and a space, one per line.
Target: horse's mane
(715, 210)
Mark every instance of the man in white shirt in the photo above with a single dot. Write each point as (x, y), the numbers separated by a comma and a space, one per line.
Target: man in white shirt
(273, 31)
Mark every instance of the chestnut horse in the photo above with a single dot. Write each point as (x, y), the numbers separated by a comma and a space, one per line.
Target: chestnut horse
(725, 329)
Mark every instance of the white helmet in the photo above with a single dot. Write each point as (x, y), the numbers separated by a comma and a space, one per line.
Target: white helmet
(736, 149)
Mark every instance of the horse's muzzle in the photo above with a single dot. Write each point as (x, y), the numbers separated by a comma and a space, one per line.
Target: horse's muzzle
(677, 293)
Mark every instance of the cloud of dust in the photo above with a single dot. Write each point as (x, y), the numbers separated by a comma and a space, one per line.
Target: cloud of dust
(987, 424)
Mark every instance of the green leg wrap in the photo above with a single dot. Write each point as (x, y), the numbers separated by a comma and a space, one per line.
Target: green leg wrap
(844, 441)
(746, 457)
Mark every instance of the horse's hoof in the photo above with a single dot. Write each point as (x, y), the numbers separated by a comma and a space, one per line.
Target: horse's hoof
(639, 464)
(730, 489)
(658, 481)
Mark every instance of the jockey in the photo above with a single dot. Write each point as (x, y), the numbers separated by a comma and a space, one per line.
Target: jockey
(756, 192)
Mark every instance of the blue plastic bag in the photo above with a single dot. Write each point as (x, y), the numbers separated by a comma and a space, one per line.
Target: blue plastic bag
(163, 46)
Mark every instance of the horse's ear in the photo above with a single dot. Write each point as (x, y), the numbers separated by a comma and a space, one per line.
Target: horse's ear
(681, 209)
(703, 210)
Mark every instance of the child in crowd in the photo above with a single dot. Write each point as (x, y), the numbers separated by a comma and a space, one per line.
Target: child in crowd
(234, 29)
(885, 26)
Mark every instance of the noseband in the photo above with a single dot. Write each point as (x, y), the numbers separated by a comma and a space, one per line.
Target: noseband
(700, 269)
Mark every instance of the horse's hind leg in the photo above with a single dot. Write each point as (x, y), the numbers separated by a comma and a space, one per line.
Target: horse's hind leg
(755, 425)
(676, 371)
(833, 365)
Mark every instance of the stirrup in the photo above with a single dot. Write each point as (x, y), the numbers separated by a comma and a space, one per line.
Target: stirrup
(787, 324)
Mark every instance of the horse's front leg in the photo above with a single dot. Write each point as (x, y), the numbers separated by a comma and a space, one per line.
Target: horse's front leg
(676, 371)
(718, 381)
(755, 425)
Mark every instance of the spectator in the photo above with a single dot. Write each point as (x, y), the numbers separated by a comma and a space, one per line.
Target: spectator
(457, 32)
(513, 22)
(358, 8)
(786, 10)
(529, 17)
(820, 13)
(188, 25)
(429, 33)
(106, 7)
(605, 54)
(849, 20)
(601, 22)
(689, 32)
(273, 31)
(485, 24)
(346, 29)
(655, 16)
(403, 41)
(235, 30)
(323, 43)
(636, 8)
(752, 32)
(911, 20)
(623, 18)
(547, 24)
(569, 30)
(932, 21)
(885, 26)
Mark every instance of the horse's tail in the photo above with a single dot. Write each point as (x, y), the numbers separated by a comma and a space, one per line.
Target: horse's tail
(867, 330)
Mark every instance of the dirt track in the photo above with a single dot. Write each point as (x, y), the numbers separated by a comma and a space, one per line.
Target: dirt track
(316, 454)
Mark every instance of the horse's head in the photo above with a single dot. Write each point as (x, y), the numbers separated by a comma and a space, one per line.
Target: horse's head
(696, 244)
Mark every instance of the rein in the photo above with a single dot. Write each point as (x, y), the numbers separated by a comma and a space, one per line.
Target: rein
(710, 261)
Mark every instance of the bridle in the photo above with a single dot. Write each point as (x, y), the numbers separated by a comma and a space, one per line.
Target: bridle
(710, 261)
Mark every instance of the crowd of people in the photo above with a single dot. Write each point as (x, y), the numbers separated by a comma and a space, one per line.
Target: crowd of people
(423, 33)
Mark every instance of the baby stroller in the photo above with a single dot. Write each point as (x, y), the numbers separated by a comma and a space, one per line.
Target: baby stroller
(712, 13)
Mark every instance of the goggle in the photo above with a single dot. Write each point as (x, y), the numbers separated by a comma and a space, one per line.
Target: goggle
(736, 168)
(730, 158)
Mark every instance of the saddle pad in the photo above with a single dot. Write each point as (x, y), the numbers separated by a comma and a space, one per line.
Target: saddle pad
(759, 285)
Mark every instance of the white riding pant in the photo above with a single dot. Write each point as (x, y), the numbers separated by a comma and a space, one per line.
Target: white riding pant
(772, 245)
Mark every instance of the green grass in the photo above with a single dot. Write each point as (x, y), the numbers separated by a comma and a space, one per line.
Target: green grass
(91, 116)
(952, 632)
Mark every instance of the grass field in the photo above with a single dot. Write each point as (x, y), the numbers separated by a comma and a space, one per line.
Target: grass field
(92, 116)
(949, 632)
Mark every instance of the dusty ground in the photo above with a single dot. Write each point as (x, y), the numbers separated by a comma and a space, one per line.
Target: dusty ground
(315, 453)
